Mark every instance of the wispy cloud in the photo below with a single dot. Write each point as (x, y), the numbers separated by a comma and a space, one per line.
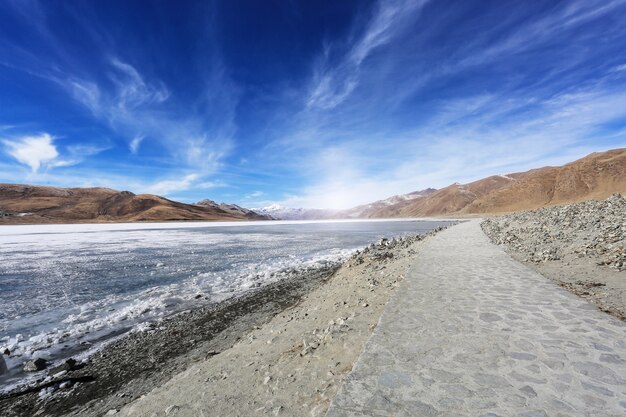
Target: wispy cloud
(166, 187)
(619, 68)
(135, 107)
(135, 142)
(335, 78)
(132, 90)
(85, 149)
(470, 138)
(391, 97)
(119, 93)
(395, 113)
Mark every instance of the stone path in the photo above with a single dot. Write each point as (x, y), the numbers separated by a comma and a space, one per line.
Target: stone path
(471, 332)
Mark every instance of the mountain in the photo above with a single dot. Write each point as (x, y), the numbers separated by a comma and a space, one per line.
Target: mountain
(39, 204)
(283, 213)
(390, 205)
(233, 209)
(597, 175)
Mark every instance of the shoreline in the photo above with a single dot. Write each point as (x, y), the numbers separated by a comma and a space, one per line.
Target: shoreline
(135, 364)
(12, 229)
(150, 357)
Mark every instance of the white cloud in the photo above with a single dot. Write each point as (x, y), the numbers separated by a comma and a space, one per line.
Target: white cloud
(134, 144)
(165, 187)
(33, 151)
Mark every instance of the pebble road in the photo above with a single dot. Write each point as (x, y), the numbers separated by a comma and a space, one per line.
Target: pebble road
(471, 332)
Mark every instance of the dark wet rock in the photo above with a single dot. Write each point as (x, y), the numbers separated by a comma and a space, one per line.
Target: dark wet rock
(3, 366)
(35, 365)
(68, 365)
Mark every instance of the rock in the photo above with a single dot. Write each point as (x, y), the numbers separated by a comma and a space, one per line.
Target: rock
(67, 366)
(267, 380)
(171, 410)
(7, 352)
(35, 365)
(211, 353)
(111, 412)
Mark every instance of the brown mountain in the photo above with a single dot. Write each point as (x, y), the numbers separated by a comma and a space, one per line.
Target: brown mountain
(38, 204)
(392, 205)
(597, 175)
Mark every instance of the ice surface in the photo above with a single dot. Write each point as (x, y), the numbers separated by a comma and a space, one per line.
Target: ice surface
(65, 289)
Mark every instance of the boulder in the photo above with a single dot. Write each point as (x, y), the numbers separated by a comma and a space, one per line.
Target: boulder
(35, 365)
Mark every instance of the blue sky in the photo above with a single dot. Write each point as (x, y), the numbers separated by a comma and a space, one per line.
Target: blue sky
(305, 103)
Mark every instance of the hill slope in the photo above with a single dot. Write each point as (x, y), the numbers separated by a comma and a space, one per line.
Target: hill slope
(597, 175)
(38, 204)
(391, 206)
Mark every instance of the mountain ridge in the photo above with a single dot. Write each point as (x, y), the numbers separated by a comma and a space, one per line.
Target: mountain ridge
(32, 204)
(597, 175)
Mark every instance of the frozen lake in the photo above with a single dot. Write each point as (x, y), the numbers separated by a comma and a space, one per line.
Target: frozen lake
(69, 288)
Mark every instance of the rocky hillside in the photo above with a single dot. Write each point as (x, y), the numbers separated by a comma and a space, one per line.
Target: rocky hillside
(597, 175)
(37, 204)
(594, 229)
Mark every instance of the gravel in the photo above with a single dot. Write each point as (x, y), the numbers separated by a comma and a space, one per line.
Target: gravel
(592, 229)
(581, 246)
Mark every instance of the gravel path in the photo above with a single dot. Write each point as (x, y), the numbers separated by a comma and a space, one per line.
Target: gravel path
(471, 332)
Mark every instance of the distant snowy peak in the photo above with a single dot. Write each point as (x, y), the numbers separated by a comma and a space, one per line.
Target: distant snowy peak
(367, 210)
(273, 207)
(406, 197)
(231, 208)
(284, 213)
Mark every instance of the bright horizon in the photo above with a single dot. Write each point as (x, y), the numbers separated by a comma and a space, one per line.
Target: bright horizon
(312, 104)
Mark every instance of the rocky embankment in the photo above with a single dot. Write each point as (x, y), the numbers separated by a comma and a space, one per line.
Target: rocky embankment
(280, 350)
(581, 246)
